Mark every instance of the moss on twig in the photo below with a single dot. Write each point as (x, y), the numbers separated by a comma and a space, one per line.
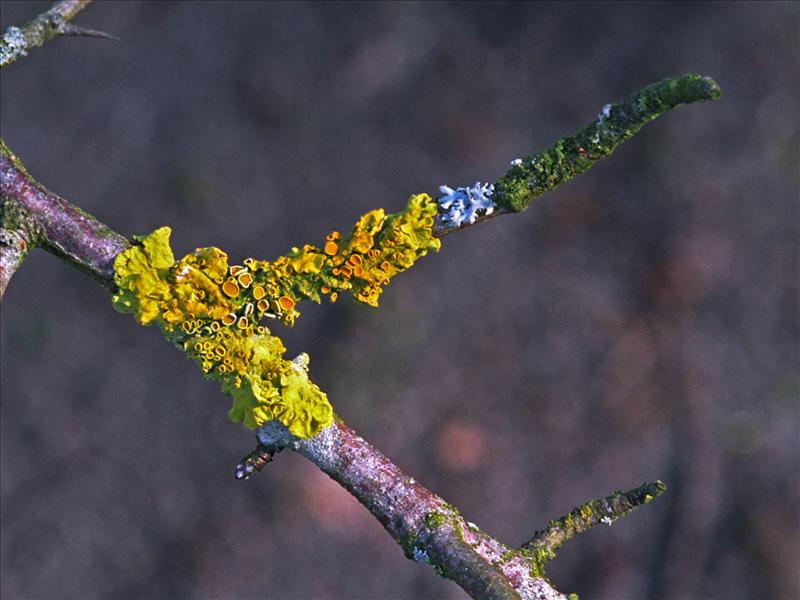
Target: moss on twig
(606, 510)
(539, 173)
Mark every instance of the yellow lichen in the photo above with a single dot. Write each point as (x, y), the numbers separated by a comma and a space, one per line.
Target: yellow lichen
(139, 274)
(212, 311)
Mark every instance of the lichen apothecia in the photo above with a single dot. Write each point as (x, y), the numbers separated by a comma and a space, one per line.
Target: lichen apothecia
(213, 311)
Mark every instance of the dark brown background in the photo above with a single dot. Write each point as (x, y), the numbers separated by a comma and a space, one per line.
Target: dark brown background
(639, 323)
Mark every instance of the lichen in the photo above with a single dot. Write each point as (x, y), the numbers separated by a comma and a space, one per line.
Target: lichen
(465, 205)
(212, 311)
(538, 556)
(434, 520)
(420, 555)
(535, 175)
(12, 45)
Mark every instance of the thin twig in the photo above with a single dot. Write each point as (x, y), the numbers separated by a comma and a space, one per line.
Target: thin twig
(605, 510)
(18, 41)
(570, 156)
(72, 30)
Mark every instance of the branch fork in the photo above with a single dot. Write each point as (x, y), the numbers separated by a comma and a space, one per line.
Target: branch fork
(428, 529)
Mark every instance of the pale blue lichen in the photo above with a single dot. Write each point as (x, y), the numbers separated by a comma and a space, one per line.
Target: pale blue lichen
(465, 205)
(421, 555)
(12, 46)
(604, 114)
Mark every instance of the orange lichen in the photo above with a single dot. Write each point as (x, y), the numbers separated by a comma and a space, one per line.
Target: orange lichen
(245, 279)
(212, 311)
(231, 288)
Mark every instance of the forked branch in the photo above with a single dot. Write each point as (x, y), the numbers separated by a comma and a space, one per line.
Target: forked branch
(428, 529)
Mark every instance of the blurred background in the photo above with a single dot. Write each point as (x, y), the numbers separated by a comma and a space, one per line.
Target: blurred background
(639, 323)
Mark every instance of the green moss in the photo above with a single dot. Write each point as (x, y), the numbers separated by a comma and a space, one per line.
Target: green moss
(539, 556)
(407, 543)
(571, 156)
(440, 571)
(434, 520)
(6, 152)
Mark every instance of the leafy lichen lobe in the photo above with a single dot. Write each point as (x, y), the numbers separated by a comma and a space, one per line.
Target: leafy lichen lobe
(212, 311)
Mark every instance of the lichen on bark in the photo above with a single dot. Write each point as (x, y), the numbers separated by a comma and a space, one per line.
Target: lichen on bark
(213, 311)
(539, 173)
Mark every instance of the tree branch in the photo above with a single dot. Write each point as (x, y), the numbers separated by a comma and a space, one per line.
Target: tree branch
(605, 510)
(17, 42)
(427, 528)
(526, 180)
(570, 156)
(33, 216)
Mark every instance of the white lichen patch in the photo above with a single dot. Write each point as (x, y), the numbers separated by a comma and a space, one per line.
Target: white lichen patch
(13, 46)
(465, 204)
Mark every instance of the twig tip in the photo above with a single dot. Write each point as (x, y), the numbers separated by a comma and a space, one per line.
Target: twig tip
(70, 29)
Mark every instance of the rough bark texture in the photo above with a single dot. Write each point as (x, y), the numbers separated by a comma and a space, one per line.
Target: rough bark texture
(428, 529)
(32, 215)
